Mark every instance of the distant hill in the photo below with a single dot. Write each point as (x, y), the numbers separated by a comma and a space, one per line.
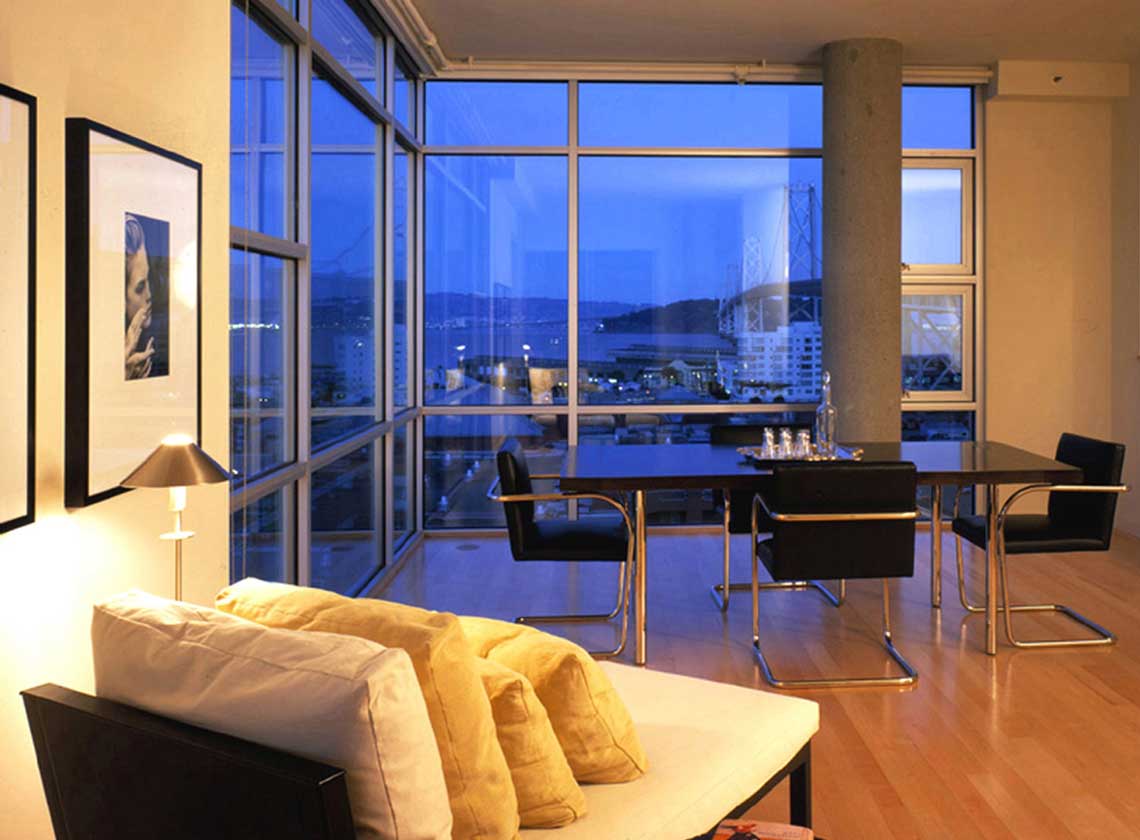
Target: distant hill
(684, 316)
(444, 306)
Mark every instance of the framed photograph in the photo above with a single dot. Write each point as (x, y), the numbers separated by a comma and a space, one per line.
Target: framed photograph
(134, 220)
(18, 310)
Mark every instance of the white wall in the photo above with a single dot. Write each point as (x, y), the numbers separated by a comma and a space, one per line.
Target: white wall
(1126, 294)
(160, 71)
(1049, 256)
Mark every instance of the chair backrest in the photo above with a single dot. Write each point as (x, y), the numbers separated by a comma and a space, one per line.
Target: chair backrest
(514, 478)
(1088, 514)
(852, 549)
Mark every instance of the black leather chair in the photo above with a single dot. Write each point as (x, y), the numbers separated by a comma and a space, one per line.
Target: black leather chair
(605, 539)
(737, 507)
(1079, 518)
(836, 520)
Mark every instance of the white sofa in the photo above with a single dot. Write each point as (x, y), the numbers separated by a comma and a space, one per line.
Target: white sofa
(711, 746)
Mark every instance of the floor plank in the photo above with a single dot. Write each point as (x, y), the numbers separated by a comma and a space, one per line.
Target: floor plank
(1030, 744)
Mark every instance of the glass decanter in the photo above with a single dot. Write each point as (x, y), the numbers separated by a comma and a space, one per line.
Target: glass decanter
(826, 419)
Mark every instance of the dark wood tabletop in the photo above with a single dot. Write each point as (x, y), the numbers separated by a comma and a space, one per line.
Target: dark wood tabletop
(697, 466)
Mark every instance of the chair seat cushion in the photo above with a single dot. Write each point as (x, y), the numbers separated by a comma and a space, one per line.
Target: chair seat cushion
(1028, 533)
(601, 537)
(710, 747)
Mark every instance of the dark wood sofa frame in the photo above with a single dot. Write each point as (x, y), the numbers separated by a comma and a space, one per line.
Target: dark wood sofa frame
(113, 771)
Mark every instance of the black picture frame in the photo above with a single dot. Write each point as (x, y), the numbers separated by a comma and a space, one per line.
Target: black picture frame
(29, 514)
(80, 447)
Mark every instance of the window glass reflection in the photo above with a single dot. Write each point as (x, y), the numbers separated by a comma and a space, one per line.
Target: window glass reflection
(459, 465)
(347, 538)
(932, 216)
(261, 363)
(937, 117)
(932, 342)
(496, 113)
(261, 538)
(495, 297)
(349, 40)
(345, 308)
(260, 84)
(699, 280)
(700, 115)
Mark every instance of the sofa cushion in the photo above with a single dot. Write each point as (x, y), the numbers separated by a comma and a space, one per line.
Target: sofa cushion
(346, 702)
(591, 722)
(483, 802)
(710, 747)
(547, 793)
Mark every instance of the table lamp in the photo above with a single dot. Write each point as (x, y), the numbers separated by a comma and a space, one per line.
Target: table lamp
(177, 463)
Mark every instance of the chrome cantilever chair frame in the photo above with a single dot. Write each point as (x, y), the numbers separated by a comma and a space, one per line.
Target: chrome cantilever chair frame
(1104, 636)
(625, 568)
(720, 591)
(910, 676)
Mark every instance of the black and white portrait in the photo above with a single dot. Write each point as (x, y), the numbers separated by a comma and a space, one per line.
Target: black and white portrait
(147, 298)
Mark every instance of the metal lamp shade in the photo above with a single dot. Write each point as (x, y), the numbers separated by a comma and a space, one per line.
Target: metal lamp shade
(180, 464)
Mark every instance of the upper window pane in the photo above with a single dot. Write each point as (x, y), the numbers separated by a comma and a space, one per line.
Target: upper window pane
(699, 280)
(938, 118)
(349, 40)
(932, 216)
(404, 106)
(261, 71)
(691, 114)
(495, 264)
(345, 244)
(496, 114)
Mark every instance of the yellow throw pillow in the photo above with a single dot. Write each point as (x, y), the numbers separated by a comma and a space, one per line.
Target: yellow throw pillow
(591, 722)
(547, 793)
(479, 787)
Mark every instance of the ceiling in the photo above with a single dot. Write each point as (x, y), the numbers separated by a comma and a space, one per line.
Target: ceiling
(957, 32)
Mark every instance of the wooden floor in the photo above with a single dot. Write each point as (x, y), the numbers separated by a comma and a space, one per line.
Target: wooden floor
(1028, 744)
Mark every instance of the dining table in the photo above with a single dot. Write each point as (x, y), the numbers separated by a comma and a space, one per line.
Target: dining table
(640, 469)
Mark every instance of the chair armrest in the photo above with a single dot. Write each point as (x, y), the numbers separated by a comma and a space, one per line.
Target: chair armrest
(862, 516)
(546, 476)
(1054, 488)
(567, 497)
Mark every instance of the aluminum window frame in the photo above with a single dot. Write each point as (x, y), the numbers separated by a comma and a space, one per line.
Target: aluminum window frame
(928, 401)
(294, 478)
(964, 278)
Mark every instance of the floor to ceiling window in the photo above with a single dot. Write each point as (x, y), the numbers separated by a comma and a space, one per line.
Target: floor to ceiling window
(324, 191)
(940, 273)
(632, 262)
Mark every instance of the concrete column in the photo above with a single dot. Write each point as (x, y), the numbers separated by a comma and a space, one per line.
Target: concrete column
(862, 230)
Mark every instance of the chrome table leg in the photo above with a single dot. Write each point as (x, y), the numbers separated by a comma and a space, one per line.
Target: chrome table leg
(720, 592)
(936, 546)
(991, 568)
(639, 577)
